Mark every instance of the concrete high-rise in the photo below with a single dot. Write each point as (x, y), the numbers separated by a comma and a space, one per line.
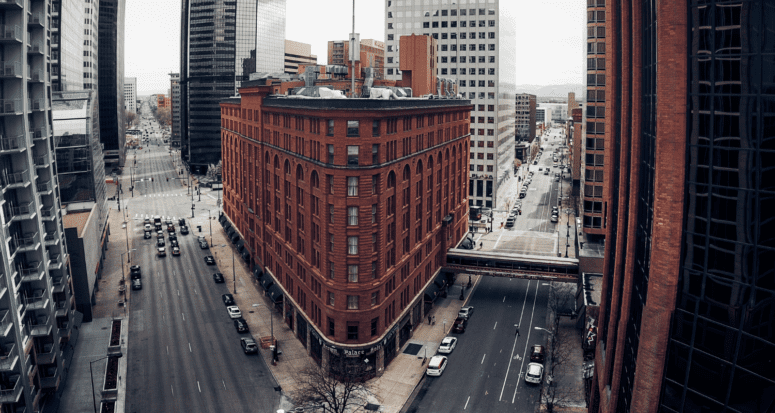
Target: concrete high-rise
(211, 71)
(36, 307)
(477, 47)
(175, 96)
(686, 318)
(297, 53)
(130, 94)
(110, 57)
(525, 117)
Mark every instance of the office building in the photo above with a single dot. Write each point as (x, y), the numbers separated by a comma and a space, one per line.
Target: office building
(297, 53)
(525, 109)
(36, 308)
(175, 95)
(67, 38)
(477, 48)
(686, 316)
(350, 217)
(544, 116)
(130, 94)
(110, 58)
(210, 72)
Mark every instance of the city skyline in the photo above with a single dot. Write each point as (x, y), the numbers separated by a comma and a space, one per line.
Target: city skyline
(557, 58)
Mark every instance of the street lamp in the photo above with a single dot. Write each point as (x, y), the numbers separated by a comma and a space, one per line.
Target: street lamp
(94, 399)
(233, 271)
(128, 258)
(541, 328)
(271, 327)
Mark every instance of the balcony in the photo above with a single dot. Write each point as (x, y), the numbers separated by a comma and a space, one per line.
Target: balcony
(55, 261)
(45, 355)
(19, 213)
(50, 378)
(44, 188)
(33, 272)
(12, 144)
(42, 328)
(10, 106)
(12, 389)
(59, 285)
(11, 70)
(36, 47)
(3, 287)
(6, 323)
(37, 76)
(36, 19)
(24, 243)
(11, 4)
(47, 213)
(37, 302)
(14, 180)
(8, 358)
(10, 34)
(63, 333)
(51, 238)
(43, 161)
(61, 308)
(38, 133)
(36, 104)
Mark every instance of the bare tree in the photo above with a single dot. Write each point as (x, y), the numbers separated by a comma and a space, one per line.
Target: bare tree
(131, 119)
(318, 389)
(559, 388)
(163, 116)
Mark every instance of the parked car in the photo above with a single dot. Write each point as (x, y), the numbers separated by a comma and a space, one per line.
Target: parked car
(537, 353)
(436, 366)
(534, 373)
(228, 299)
(182, 222)
(160, 242)
(554, 218)
(209, 260)
(459, 325)
(234, 311)
(218, 277)
(248, 345)
(147, 235)
(203, 245)
(447, 345)
(137, 284)
(241, 325)
(466, 312)
(175, 250)
(147, 227)
(135, 272)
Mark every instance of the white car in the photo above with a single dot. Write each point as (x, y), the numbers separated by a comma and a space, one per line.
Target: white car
(534, 373)
(234, 311)
(436, 366)
(148, 227)
(447, 345)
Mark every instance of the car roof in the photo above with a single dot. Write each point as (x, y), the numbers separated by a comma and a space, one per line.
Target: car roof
(448, 340)
(534, 368)
(436, 361)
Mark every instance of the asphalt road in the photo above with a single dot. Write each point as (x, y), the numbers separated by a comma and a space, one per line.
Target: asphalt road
(184, 353)
(486, 370)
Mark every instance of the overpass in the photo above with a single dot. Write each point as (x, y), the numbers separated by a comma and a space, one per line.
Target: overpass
(498, 264)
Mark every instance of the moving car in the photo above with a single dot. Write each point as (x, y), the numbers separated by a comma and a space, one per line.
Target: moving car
(436, 366)
(161, 252)
(147, 227)
(147, 235)
(537, 353)
(554, 218)
(137, 284)
(546, 172)
(174, 243)
(228, 299)
(182, 222)
(175, 250)
(248, 345)
(466, 312)
(170, 228)
(447, 345)
(160, 242)
(218, 277)
(241, 325)
(534, 373)
(173, 237)
(510, 221)
(459, 325)
(203, 245)
(209, 260)
(234, 311)
(135, 272)
(184, 230)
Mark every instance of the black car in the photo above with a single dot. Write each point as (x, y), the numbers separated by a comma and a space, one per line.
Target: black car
(184, 230)
(218, 277)
(460, 325)
(174, 243)
(228, 299)
(172, 236)
(160, 242)
(203, 245)
(241, 325)
(209, 260)
(135, 272)
(147, 235)
(137, 284)
(182, 222)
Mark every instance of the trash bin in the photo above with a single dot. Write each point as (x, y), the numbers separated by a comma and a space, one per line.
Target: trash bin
(199, 227)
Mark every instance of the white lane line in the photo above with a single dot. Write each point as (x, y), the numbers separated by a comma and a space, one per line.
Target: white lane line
(168, 350)
(466, 405)
(496, 325)
(178, 293)
(499, 240)
(173, 390)
(514, 346)
(184, 316)
(198, 386)
(189, 348)
(516, 388)
(483, 356)
(224, 384)
(504, 297)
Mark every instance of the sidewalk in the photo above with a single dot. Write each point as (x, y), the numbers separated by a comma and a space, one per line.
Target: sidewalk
(399, 379)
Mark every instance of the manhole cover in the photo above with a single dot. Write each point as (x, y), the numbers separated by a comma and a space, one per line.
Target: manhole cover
(412, 349)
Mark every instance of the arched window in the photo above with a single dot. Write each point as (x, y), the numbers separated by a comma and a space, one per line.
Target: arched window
(430, 163)
(315, 181)
(419, 168)
(299, 173)
(276, 162)
(287, 167)
(266, 158)
(407, 173)
(391, 180)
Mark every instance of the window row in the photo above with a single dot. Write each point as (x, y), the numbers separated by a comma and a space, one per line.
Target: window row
(470, 59)
(445, 12)
(462, 70)
(455, 23)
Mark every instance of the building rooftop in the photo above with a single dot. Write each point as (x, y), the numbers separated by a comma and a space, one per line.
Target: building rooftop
(360, 103)
(593, 287)
(76, 220)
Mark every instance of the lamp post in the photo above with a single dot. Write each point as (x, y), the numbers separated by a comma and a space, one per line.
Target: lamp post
(128, 258)
(91, 374)
(271, 332)
(541, 328)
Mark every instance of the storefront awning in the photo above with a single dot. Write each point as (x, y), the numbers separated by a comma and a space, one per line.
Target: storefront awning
(275, 293)
(257, 272)
(441, 280)
(241, 245)
(266, 282)
(234, 237)
(432, 292)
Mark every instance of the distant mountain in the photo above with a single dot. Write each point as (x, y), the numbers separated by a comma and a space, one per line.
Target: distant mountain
(555, 91)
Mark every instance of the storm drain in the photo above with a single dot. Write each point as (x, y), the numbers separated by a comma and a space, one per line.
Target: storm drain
(412, 349)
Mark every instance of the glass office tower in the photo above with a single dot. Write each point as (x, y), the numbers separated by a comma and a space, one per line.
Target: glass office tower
(111, 81)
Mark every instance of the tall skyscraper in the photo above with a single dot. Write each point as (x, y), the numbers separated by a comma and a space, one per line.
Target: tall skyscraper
(111, 81)
(213, 70)
(67, 38)
(130, 94)
(477, 47)
(36, 312)
(175, 96)
(686, 319)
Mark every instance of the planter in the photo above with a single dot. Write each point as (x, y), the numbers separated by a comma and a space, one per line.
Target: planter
(107, 407)
(110, 386)
(114, 346)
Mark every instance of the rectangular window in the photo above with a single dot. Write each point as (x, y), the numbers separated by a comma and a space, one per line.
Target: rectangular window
(375, 127)
(352, 155)
(374, 298)
(330, 131)
(352, 186)
(352, 245)
(331, 272)
(374, 269)
(352, 273)
(374, 213)
(374, 184)
(330, 182)
(331, 325)
(352, 304)
(330, 153)
(353, 128)
(331, 213)
(352, 215)
(352, 331)
(375, 323)
(331, 300)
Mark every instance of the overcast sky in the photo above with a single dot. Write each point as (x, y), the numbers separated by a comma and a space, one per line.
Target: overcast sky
(550, 36)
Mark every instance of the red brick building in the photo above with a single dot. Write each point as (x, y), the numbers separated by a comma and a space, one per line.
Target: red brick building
(348, 206)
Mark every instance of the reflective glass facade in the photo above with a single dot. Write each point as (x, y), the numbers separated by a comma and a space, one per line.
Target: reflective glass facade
(218, 51)
(720, 353)
(271, 32)
(66, 45)
(111, 80)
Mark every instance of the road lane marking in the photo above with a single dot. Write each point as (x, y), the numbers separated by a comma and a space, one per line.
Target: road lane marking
(516, 337)
(173, 390)
(198, 386)
(483, 356)
(168, 350)
(496, 325)
(184, 316)
(224, 384)
(189, 348)
(516, 388)
(178, 293)
(504, 297)
(466, 405)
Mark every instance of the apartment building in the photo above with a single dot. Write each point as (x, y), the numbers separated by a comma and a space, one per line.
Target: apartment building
(371, 53)
(36, 303)
(477, 49)
(176, 107)
(130, 94)
(297, 53)
(525, 117)
(686, 314)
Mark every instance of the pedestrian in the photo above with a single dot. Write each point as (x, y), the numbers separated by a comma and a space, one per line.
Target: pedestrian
(429, 319)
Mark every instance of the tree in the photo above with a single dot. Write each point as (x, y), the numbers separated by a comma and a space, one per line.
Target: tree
(318, 389)
(131, 119)
(559, 388)
(163, 116)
